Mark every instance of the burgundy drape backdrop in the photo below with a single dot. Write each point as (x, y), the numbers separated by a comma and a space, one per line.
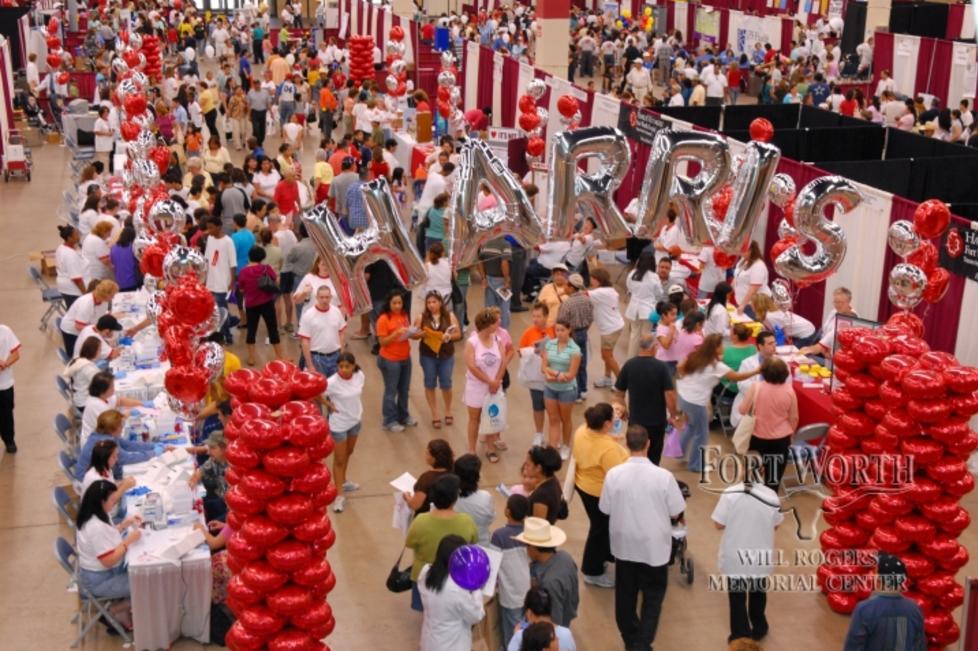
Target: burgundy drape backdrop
(509, 94)
(486, 81)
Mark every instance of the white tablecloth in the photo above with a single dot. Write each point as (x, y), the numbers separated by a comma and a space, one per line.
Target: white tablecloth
(132, 380)
(168, 601)
(405, 148)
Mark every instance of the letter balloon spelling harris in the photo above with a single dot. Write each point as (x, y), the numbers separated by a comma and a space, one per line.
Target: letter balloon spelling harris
(569, 186)
(512, 215)
(347, 256)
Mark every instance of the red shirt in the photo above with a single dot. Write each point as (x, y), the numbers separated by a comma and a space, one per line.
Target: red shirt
(848, 107)
(428, 31)
(380, 169)
(422, 107)
(287, 197)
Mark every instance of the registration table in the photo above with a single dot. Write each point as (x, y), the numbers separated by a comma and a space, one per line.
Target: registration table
(138, 371)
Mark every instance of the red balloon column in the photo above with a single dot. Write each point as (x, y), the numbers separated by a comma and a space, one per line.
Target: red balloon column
(899, 398)
(154, 57)
(280, 489)
(361, 58)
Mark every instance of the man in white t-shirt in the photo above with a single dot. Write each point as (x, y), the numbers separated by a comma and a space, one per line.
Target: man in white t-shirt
(222, 266)
(747, 514)
(321, 333)
(716, 86)
(105, 330)
(865, 52)
(9, 354)
(841, 306)
(640, 500)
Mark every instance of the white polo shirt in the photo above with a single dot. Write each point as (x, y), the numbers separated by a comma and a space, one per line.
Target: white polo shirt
(90, 331)
(640, 498)
(749, 520)
(95, 540)
(81, 313)
(94, 407)
(8, 344)
(322, 328)
(220, 257)
(94, 250)
(70, 266)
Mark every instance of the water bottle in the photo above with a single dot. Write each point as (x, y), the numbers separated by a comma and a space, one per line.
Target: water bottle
(779, 335)
(153, 511)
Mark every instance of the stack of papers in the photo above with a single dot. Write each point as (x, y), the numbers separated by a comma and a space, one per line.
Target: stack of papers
(182, 547)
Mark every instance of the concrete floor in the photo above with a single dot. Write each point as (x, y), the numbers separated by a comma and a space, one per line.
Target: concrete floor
(36, 607)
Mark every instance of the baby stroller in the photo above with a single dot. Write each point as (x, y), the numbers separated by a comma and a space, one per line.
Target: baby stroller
(34, 114)
(679, 544)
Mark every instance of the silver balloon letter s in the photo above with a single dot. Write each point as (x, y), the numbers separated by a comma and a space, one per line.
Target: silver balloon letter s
(511, 215)
(664, 185)
(811, 224)
(570, 187)
(347, 256)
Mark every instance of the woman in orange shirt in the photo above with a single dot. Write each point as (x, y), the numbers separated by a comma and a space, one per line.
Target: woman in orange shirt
(533, 337)
(394, 360)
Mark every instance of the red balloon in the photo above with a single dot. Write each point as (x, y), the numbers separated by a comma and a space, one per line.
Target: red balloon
(926, 257)
(308, 430)
(397, 33)
(946, 470)
(900, 423)
(280, 369)
(923, 384)
(924, 451)
(290, 600)
(261, 620)
(161, 156)
(54, 61)
(862, 385)
(720, 201)
(290, 509)
(780, 247)
(936, 584)
(263, 577)
(295, 408)
(269, 391)
(152, 261)
(241, 456)
(965, 406)
(241, 638)
(929, 411)
(723, 260)
(876, 409)
(54, 43)
(134, 103)
(918, 566)
(313, 574)
(322, 450)
(922, 490)
(238, 382)
(886, 438)
(306, 386)
(243, 549)
(938, 360)
(238, 501)
(841, 602)
(445, 109)
(190, 302)
(846, 360)
(908, 322)
(312, 530)
(291, 640)
(289, 556)
(959, 487)
(907, 345)
(961, 379)
(890, 393)
(872, 349)
(187, 384)
(286, 461)
(914, 528)
(962, 448)
(315, 479)
(867, 520)
(922, 600)
(880, 514)
(844, 400)
(260, 485)
(317, 615)
(849, 336)
(940, 511)
(262, 434)
(262, 532)
(761, 130)
(897, 366)
(236, 520)
(937, 622)
(535, 146)
(231, 475)
(956, 562)
(243, 592)
(851, 535)
(444, 94)
(129, 130)
(248, 410)
(931, 218)
(855, 424)
(938, 281)
(958, 524)
(568, 106)
(527, 104)
(893, 504)
(952, 599)
(529, 121)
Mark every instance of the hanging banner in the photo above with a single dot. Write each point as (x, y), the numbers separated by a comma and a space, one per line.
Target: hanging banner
(707, 24)
(638, 124)
(959, 251)
(499, 142)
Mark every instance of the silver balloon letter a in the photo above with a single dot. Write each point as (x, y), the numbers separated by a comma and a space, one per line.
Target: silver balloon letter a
(347, 256)
(570, 187)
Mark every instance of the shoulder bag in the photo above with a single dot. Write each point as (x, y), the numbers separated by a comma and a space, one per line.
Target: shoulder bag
(266, 283)
(745, 428)
(399, 580)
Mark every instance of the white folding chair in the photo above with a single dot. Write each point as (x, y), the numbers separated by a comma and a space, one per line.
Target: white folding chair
(803, 453)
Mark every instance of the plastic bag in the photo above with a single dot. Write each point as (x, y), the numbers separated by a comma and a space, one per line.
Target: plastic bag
(493, 418)
(531, 369)
(672, 448)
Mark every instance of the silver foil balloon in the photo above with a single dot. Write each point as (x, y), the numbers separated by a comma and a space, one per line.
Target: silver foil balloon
(165, 216)
(141, 145)
(154, 305)
(181, 260)
(127, 86)
(786, 230)
(907, 284)
(214, 323)
(455, 96)
(144, 120)
(391, 48)
(750, 181)
(536, 88)
(398, 67)
(347, 256)
(782, 189)
(210, 357)
(135, 40)
(571, 189)
(142, 240)
(902, 238)
(447, 59)
(391, 82)
(544, 115)
(184, 409)
(119, 66)
(140, 78)
(664, 186)
(151, 283)
(781, 294)
(513, 214)
(446, 78)
(812, 224)
(145, 173)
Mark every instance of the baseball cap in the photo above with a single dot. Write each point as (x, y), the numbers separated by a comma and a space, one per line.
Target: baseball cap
(108, 322)
(560, 266)
(576, 280)
(890, 565)
(676, 289)
(216, 440)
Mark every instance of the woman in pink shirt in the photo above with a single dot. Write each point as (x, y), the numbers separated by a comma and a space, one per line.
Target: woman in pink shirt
(690, 336)
(665, 335)
(775, 408)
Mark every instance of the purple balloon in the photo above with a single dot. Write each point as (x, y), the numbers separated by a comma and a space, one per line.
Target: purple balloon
(469, 567)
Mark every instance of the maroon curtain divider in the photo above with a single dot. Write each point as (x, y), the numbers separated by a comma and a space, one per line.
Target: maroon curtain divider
(587, 108)
(486, 81)
(724, 38)
(939, 79)
(510, 93)
(545, 100)
(923, 65)
(787, 29)
(955, 21)
(670, 17)
(882, 55)
(941, 320)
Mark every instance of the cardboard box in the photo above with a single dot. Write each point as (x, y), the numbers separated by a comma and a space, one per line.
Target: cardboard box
(46, 262)
(54, 138)
(424, 130)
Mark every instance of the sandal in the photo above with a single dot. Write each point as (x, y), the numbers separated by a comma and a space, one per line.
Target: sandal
(251, 362)
(492, 456)
(436, 423)
(449, 420)
(501, 446)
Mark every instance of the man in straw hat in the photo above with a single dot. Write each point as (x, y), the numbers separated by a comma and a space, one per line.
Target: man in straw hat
(550, 568)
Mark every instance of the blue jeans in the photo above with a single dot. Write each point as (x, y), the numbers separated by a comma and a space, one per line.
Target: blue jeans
(495, 300)
(536, 400)
(221, 298)
(580, 338)
(437, 372)
(285, 111)
(397, 380)
(107, 584)
(325, 364)
(696, 434)
(508, 619)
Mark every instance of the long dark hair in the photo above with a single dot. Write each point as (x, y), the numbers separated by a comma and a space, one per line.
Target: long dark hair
(438, 572)
(390, 297)
(753, 255)
(101, 454)
(91, 504)
(349, 358)
(645, 263)
(468, 467)
(444, 317)
(441, 452)
(703, 355)
(720, 295)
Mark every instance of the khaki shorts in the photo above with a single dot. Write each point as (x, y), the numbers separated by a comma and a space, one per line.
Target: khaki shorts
(608, 342)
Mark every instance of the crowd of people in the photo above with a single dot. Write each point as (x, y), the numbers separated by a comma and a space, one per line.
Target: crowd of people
(226, 95)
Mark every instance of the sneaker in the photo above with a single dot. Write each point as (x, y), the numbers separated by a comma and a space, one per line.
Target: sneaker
(604, 383)
(394, 427)
(410, 422)
(602, 581)
(537, 440)
(565, 452)
(580, 398)
(339, 504)
(350, 486)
